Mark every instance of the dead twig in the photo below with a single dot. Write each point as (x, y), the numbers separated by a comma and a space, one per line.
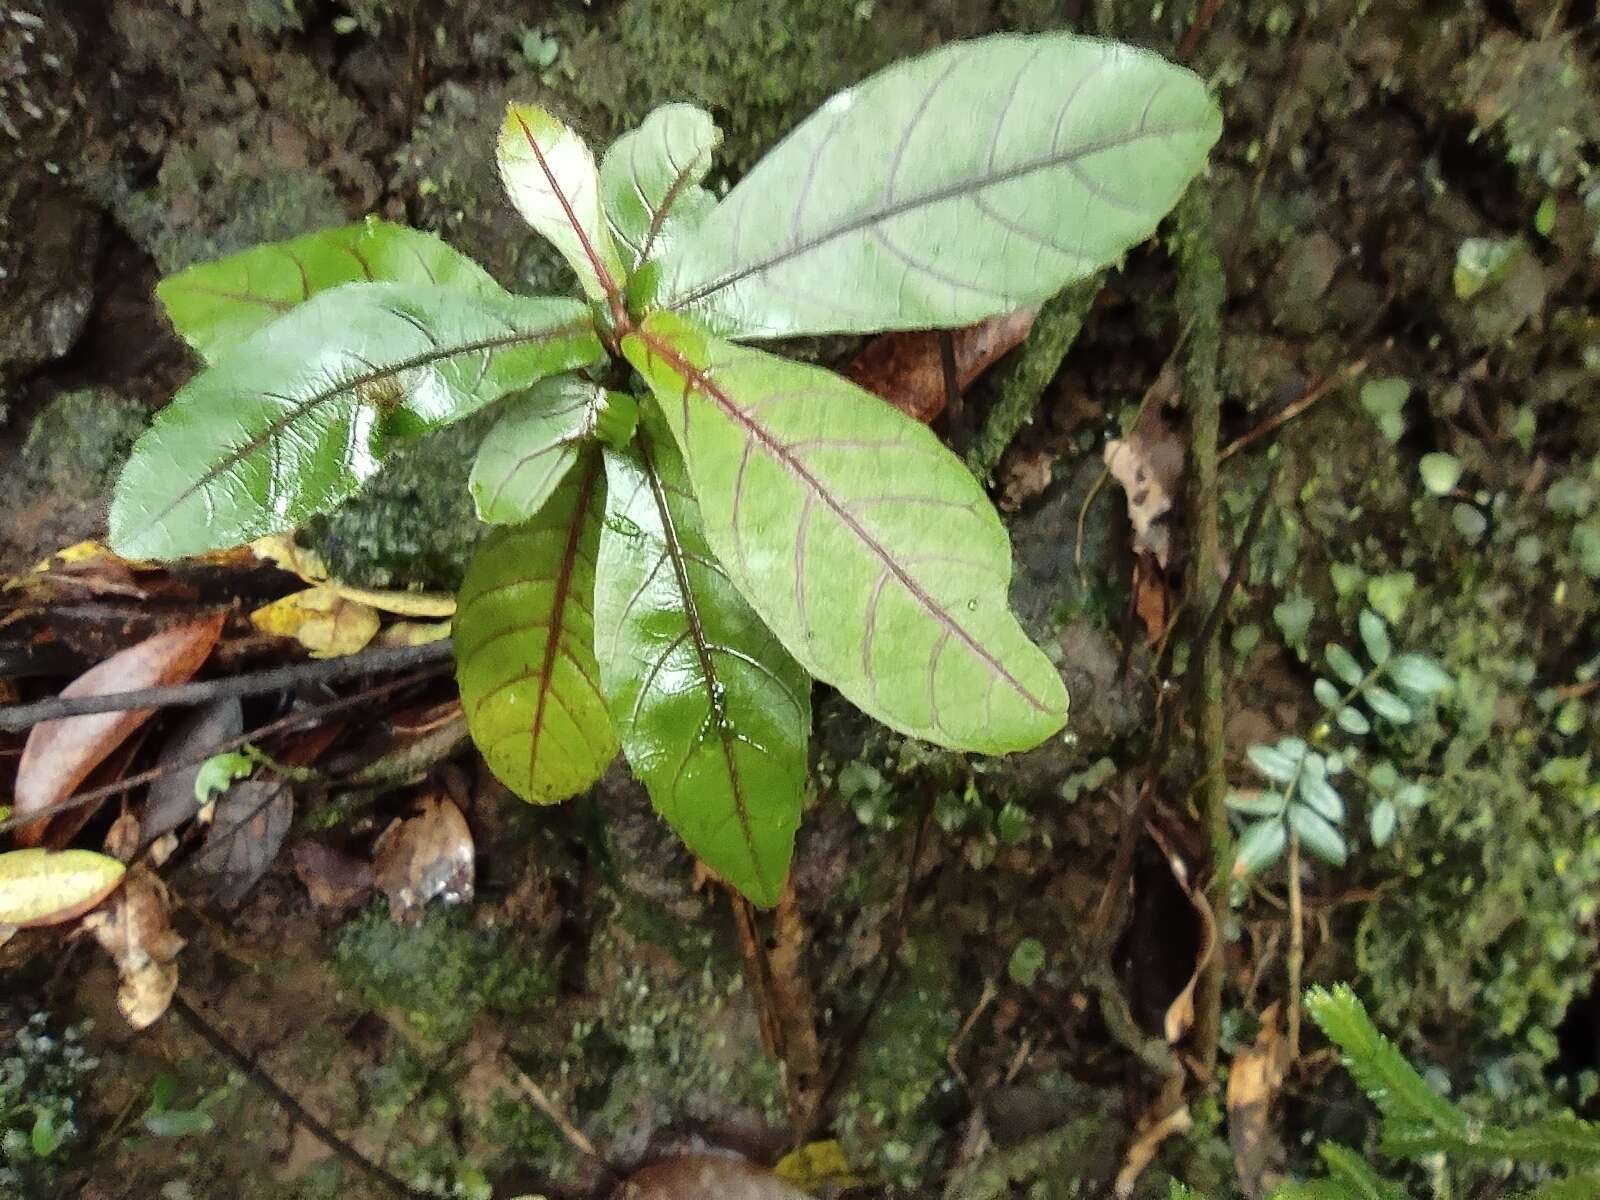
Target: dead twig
(1197, 30)
(385, 658)
(575, 1136)
(219, 1043)
(287, 724)
(1290, 411)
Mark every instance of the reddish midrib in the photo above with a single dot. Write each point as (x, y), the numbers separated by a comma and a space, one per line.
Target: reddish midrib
(699, 381)
(558, 606)
(607, 284)
(702, 649)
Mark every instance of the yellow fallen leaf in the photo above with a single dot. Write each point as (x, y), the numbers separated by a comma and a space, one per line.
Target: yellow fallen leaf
(412, 633)
(817, 1165)
(405, 604)
(320, 619)
(46, 887)
(283, 550)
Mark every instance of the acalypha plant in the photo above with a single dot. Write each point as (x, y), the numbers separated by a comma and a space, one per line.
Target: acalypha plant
(688, 530)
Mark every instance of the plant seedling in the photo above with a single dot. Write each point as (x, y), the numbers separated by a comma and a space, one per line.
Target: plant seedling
(689, 530)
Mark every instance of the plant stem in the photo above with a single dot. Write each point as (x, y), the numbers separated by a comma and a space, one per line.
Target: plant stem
(1297, 947)
(1030, 371)
(1201, 292)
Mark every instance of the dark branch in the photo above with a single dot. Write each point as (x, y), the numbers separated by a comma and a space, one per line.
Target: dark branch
(395, 658)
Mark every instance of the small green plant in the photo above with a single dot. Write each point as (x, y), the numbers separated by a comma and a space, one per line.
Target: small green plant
(688, 530)
(1304, 801)
(42, 1077)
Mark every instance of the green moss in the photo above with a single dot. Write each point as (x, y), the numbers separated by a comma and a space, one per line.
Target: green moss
(443, 974)
(81, 439)
(414, 525)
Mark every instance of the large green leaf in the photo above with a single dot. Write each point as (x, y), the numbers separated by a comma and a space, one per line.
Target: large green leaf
(533, 445)
(216, 305)
(974, 180)
(649, 179)
(713, 713)
(524, 638)
(550, 176)
(291, 421)
(863, 543)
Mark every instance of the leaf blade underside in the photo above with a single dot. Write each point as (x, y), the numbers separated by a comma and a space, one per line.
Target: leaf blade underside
(713, 713)
(650, 177)
(862, 542)
(531, 448)
(232, 458)
(549, 174)
(524, 639)
(978, 179)
(214, 305)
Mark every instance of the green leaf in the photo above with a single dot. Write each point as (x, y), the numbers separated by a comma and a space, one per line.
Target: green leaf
(1273, 763)
(864, 544)
(713, 714)
(1374, 636)
(46, 1136)
(650, 177)
(533, 445)
(292, 420)
(1379, 1069)
(1317, 792)
(1381, 822)
(1385, 402)
(1326, 693)
(1262, 804)
(46, 887)
(1418, 673)
(549, 173)
(218, 771)
(216, 305)
(1353, 720)
(1440, 472)
(1027, 960)
(971, 181)
(1344, 664)
(1313, 1189)
(524, 639)
(1317, 834)
(1260, 845)
(1574, 1187)
(1347, 1167)
(1388, 706)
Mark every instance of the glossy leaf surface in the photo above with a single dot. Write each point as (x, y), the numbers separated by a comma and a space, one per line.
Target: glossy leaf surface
(533, 446)
(550, 176)
(713, 713)
(650, 177)
(977, 179)
(524, 638)
(862, 542)
(46, 887)
(216, 305)
(291, 421)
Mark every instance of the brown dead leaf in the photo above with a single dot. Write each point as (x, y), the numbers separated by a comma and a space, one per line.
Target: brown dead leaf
(326, 623)
(1180, 1012)
(252, 819)
(171, 800)
(703, 1176)
(333, 880)
(135, 929)
(1254, 1078)
(1148, 463)
(1024, 474)
(906, 369)
(122, 839)
(1150, 1132)
(428, 855)
(1152, 600)
(60, 754)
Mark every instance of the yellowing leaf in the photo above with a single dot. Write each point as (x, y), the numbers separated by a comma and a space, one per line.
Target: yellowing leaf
(320, 619)
(284, 551)
(817, 1165)
(405, 604)
(412, 633)
(47, 887)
